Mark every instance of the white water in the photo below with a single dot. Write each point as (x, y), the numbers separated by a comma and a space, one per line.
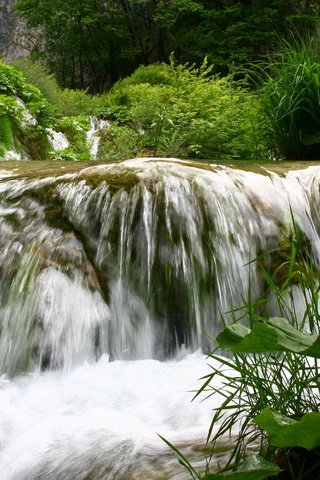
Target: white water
(27, 118)
(12, 155)
(94, 268)
(101, 418)
(57, 140)
(93, 139)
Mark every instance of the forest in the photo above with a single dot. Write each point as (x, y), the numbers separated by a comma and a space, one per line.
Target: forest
(91, 43)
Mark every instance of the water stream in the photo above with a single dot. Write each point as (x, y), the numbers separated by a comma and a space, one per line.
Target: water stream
(113, 279)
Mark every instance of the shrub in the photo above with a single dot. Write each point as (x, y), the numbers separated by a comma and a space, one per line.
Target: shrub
(154, 74)
(24, 113)
(78, 102)
(185, 111)
(118, 143)
(37, 74)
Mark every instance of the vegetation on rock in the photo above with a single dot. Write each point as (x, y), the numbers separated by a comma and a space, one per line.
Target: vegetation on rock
(24, 113)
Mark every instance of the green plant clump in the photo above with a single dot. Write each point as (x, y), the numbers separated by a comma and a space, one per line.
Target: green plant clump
(288, 83)
(270, 387)
(24, 114)
(180, 110)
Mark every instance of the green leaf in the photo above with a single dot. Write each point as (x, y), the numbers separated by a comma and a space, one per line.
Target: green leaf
(254, 468)
(286, 432)
(273, 335)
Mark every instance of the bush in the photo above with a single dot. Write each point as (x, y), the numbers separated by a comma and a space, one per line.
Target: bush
(78, 102)
(24, 113)
(118, 143)
(185, 111)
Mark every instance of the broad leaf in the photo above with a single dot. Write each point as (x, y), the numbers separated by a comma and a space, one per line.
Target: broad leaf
(273, 335)
(254, 468)
(286, 432)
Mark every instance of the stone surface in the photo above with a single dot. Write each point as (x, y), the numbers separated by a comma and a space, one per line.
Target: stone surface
(16, 40)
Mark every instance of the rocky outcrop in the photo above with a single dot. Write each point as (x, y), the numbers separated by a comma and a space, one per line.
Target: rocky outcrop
(7, 24)
(16, 40)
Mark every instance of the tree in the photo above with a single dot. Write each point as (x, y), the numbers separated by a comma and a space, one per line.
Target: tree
(92, 43)
(232, 31)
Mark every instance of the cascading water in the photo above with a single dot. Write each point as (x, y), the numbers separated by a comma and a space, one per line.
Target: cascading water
(57, 140)
(93, 139)
(112, 280)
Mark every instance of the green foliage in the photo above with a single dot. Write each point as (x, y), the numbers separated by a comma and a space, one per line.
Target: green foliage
(19, 102)
(118, 113)
(154, 74)
(270, 386)
(75, 129)
(91, 44)
(231, 31)
(13, 84)
(9, 107)
(65, 101)
(288, 84)
(254, 468)
(31, 141)
(78, 102)
(37, 74)
(286, 432)
(118, 143)
(6, 134)
(11, 81)
(270, 335)
(185, 111)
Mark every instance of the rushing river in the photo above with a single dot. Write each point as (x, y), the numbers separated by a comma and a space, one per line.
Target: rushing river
(113, 279)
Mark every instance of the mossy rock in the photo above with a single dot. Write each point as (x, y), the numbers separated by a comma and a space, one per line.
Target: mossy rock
(122, 180)
(278, 263)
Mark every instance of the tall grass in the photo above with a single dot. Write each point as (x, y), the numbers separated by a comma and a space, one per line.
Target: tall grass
(289, 93)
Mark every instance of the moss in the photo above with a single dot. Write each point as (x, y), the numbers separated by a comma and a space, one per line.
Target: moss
(124, 180)
(277, 262)
(6, 133)
(32, 141)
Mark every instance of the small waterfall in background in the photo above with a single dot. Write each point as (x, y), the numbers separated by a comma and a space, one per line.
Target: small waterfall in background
(93, 139)
(113, 279)
(57, 140)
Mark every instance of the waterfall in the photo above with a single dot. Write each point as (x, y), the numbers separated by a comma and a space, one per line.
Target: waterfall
(93, 139)
(57, 140)
(113, 279)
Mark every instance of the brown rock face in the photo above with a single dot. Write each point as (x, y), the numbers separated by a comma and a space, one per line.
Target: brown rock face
(16, 40)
